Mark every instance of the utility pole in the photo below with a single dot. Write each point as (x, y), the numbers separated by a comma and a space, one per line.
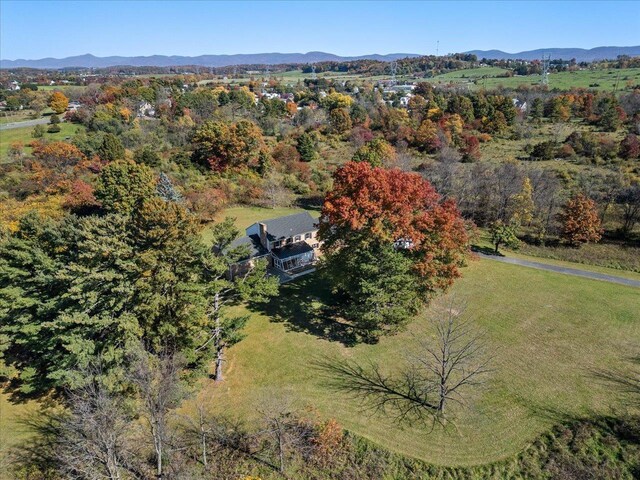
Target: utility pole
(394, 71)
(545, 69)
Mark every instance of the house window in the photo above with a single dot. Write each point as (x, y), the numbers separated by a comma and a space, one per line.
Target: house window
(289, 240)
(298, 238)
(276, 244)
(315, 245)
(307, 236)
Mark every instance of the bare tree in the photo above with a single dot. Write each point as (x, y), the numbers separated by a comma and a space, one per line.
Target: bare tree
(93, 440)
(435, 374)
(285, 433)
(157, 380)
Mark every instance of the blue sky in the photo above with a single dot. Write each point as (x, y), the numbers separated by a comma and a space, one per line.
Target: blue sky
(64, 28)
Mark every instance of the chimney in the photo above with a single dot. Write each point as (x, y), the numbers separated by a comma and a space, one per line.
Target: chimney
(263, 235)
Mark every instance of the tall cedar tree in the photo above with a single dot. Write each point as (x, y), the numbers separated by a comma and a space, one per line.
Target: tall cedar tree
(372, 209)
(580, 221)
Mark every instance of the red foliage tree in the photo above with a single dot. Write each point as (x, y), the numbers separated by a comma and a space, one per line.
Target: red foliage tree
(81, 199)
(471, 148)
(580, 221)
(630, 147)
(400, 208)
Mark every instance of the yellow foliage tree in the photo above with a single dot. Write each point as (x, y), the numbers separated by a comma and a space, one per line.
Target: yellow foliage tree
(58, 102)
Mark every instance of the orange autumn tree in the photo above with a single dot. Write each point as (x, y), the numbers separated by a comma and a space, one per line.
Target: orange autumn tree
(580, 221)
(58, 102)
(55, 164)
(390, 242)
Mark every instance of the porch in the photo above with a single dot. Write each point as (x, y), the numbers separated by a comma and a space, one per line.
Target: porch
(294, 257)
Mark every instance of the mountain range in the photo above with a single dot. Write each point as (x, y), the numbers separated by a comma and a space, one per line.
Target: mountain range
(91, 61)
(580, 54)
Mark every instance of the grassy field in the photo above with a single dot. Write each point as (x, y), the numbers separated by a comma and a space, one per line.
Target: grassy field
(23, 134)
(548, 332)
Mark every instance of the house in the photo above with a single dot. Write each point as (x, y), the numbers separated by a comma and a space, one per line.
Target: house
(520, 105)
(73, 106)
(289, 244)
(145, 109)
(15, 86)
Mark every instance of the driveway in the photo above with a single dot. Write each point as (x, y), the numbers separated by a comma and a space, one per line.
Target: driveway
(25, 123)
(568, 271)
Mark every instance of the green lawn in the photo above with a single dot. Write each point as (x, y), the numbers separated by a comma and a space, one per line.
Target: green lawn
(548, 333)
(12, 430)
(23, 134)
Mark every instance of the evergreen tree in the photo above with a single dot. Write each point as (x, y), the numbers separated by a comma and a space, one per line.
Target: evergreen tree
(111, 148)
(123, 185)
(307, 147)
(377, 282)
(166, 190)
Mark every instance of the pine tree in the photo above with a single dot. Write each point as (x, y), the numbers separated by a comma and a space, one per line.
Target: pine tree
(166, 190)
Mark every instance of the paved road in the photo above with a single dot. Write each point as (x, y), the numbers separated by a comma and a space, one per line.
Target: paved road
(565, 270)
(26, 123)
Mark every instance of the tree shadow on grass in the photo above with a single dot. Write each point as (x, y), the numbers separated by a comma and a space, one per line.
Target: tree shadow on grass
(485, 250)
(307, 305)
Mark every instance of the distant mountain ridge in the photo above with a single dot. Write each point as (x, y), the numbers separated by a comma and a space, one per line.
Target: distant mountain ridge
(91, 61)
(580, 54)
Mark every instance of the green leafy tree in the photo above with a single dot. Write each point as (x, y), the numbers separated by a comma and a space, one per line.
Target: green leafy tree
(123, 184)
(609, 118)
(306, 146)
(375, 152)
(537, 109)
(224, 326)
(147, 156)
(503, 234)
(38, 131)
(111, 148)
(378, 278)
(340, 120)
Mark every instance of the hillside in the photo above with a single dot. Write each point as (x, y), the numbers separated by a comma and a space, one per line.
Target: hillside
(580, 54)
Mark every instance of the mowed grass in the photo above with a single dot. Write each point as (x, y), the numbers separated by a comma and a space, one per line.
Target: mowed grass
(23, 134)
(548, 333)
(12, 426)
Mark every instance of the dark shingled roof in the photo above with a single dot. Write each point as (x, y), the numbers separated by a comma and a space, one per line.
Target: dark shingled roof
(292, 250)
(255, 247)
(290, 226)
